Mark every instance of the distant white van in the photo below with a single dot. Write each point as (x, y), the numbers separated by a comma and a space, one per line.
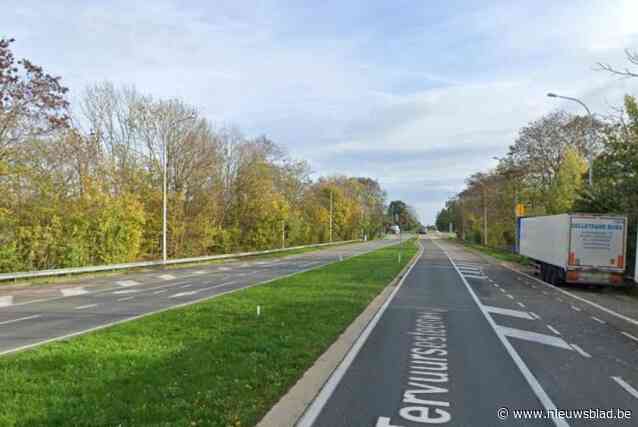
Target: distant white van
(394, 229)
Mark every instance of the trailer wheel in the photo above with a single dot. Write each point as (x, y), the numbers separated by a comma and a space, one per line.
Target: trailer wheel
(555, 276)
(544, 272)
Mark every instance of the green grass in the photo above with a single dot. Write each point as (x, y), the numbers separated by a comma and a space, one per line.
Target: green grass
(214, 363)
(499, 254)
(70, 278)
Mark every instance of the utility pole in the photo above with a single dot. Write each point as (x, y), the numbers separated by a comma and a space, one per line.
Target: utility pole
(164, 202)
(462, 218)
(283, 234)
(331, 214)
(484, 216)
(165, 183)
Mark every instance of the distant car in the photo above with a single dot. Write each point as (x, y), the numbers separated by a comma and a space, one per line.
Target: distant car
(422, 231)
(394, 229)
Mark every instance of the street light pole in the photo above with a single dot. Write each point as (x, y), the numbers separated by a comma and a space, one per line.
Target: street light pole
(165, 184)
(589, 134)
(331, 214)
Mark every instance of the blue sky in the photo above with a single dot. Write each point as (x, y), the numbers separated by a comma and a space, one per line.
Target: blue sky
(418, 94)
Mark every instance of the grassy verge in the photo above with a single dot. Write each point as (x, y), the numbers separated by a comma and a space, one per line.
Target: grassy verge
(101, 274)
(214, 363)
(500, 254)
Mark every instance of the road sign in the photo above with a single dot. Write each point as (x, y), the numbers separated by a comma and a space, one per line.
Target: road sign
(520, 209)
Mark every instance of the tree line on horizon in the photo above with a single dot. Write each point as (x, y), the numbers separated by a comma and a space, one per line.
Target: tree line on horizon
(546, 171)
(86, 188)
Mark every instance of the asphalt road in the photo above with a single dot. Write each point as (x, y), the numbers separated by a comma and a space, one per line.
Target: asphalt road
(36, 314)
(462, 338)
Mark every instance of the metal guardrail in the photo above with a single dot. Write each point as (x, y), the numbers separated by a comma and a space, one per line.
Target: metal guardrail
(113, 267)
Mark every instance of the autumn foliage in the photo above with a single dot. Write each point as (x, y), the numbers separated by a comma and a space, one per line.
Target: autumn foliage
(88, 190)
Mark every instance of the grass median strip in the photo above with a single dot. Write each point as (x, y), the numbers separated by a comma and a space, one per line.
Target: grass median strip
(214, 363)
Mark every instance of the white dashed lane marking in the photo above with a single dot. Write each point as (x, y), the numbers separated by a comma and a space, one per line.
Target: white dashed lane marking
(551, 328)
(580, 351)
(125, 299)
(598, 320)
(128, 291)
(183, 294)
(629, 336)
(575, 308)
(83, 307)
(520, 304)
(6, 322)
(127, 283)
(69, 292)
(166, 276)
(628, 388)
(6, 301)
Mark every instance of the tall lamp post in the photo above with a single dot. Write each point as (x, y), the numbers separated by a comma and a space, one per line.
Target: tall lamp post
(591, 130)
(165, 184)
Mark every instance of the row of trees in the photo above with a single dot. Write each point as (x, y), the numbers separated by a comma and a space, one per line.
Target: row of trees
(546, 171)
(86, 188)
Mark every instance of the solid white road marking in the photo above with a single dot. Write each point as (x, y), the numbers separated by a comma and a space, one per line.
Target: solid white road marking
(536, 387)
(534, 337)
(507, 312)
(629, 336)
(6, 322)
(575, 308)
(598, 320)
(128, 291)
(629, 389)
(551, 328)
(127, 283)
(6, 301)
(521, 304)
(183, 294)
(580, 351)
(125, 299)
(82, 307)
(166, 276)
(69, 292)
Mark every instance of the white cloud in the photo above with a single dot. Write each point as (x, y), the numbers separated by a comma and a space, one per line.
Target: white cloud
(442, 96)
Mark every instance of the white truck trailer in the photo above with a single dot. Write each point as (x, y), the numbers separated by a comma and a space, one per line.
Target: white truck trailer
(575, 248)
